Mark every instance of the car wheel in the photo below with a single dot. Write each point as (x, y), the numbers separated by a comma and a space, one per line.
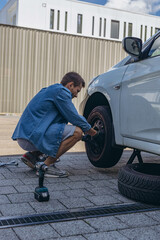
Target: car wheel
(101, 153)
(140, 182)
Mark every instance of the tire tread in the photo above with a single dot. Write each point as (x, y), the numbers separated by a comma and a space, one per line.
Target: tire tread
(139, 186)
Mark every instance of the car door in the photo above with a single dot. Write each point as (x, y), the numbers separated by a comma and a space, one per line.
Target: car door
(140, 98)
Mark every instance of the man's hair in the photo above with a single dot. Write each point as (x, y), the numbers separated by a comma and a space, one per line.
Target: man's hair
(73, 77)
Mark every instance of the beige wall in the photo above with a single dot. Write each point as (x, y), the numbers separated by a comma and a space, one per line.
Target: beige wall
(32, 59)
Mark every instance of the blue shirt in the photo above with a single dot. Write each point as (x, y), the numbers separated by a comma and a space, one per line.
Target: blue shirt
(44, 119)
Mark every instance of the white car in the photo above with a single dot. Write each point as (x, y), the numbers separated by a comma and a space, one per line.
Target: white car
(124, 104)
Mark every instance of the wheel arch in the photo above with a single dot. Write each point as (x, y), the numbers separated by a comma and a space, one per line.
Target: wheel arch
(99, 99)
(96, 99)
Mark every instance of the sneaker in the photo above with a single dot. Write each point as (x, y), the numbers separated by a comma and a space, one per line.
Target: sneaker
(31, 158)
(54, 172)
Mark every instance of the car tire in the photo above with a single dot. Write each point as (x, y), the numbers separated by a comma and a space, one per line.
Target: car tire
(140, 182)
(104, 155)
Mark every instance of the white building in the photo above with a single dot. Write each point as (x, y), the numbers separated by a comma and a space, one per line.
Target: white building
(80, 18)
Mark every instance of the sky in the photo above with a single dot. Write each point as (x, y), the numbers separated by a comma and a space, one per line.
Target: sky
(2, 3)
(141, 6)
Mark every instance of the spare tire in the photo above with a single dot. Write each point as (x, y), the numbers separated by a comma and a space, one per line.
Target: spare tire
(140, 182)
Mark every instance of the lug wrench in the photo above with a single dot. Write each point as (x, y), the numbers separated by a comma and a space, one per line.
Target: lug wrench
(13, 162)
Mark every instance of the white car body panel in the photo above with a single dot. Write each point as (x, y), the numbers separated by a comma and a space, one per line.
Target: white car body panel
(132, 89)
(112, 95)
(140, 101)
(140, 104)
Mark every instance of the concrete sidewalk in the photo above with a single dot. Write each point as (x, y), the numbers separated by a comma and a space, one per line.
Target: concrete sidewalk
(86, 187)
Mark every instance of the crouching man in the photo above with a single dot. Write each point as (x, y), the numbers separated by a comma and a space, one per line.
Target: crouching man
(43, 127)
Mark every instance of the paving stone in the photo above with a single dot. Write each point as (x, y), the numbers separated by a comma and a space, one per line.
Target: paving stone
(36, 232)
(137, 220)
(100, 183)
(30, 181)
(14, 175)
(155, 215)
(21, 197)
(4, 170)
(79, 185)
(77, 237)
(122, 198)
(24, 169)
(8, 234)
(140, 233)
(11, 182)
(57, 186)
(72, 228)
(25, 188)
(103, 200)
(50, 206)
(81, 167)
(56, 180)
(106, 223)
(16, 209)
(76, 202)
(106, 235)
(83, 177)
(77, 193)
(7, 190)
(80, 172)
(57, 194)
(156, 229)
(1, 176)
(101, 190)
(30, 173)
(4, 199)
(99, 175)
(113, 182)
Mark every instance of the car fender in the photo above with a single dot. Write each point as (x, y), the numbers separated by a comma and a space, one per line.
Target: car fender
(109, 85)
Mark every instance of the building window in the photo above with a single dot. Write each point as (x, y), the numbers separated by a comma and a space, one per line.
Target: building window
(130, 26)
(151, 31)
(52, 19)
(141, 33)
(104, 32)
(92, 26)
(156, 30)
(100, 27)
(14, 20)
(79, 23)
(66, 20)
(145, 36)
(124, 30)
(58, 19)
(114, 29)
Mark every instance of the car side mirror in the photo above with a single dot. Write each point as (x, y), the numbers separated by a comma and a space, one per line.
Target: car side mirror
(133, 46)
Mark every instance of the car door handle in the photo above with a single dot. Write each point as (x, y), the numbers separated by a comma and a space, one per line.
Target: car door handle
(117, 87)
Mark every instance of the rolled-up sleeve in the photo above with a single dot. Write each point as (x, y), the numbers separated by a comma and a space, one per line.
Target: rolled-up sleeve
(63, 102)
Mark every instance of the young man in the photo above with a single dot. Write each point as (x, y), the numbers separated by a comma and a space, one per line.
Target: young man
(43, 127)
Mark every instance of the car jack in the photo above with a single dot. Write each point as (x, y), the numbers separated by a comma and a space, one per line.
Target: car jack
(136, 153)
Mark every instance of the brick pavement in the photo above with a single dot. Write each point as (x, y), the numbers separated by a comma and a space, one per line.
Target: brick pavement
(86, 187)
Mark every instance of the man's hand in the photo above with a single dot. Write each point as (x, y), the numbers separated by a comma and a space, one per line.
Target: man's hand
(96, 137)
(91, 132)
(89, 135)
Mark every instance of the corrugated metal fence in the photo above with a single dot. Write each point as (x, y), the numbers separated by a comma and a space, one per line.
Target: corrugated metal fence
(31, 59)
